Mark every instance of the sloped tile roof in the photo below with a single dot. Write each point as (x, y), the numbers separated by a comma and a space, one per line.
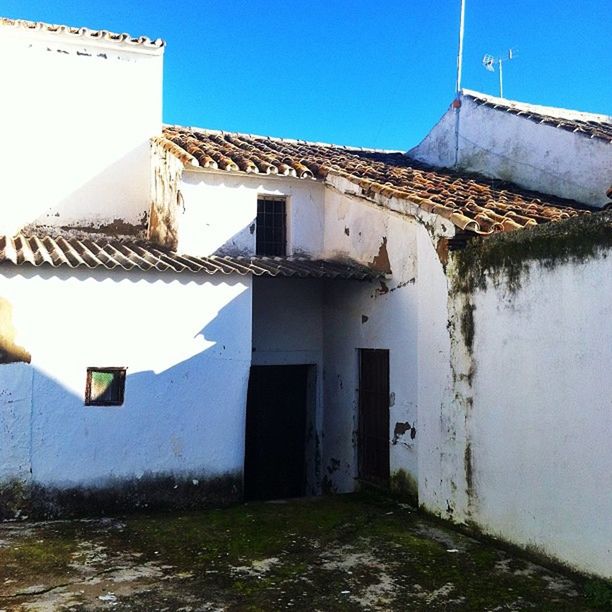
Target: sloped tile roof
(473, 203)
(109, 255)
(589, 125)
(83, 33)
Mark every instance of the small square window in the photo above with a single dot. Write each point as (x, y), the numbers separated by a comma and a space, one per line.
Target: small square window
(105, 386)
(271, 236)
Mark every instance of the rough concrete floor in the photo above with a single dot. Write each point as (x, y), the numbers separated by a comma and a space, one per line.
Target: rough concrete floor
(333, 553)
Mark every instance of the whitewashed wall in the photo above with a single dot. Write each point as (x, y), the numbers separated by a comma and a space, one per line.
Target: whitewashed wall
(521, 448)
(514, 148)
(439, 414)
(369, 315)
(542, 414)
(78, 115)
(287, 321)
(186, 342)
(219, 211)
(326, 323)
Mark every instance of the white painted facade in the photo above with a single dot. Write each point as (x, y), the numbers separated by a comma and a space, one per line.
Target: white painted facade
(503, 145)
(310, 321)
(186, 344)
(522, 449)
(323, 323)
(218, 212)
(76, 137)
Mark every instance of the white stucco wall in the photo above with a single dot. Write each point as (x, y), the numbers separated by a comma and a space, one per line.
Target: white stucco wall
(186, 342)
(325, 323)
(542, 415)
(369, 315)
(515, 439)
(536, 156)
(438, 411)
(218, 213)
(78, 115)
(287, 321)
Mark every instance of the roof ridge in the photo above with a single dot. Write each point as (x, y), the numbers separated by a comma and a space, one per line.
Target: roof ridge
(84, 32)
(208, 132)
(553, 111)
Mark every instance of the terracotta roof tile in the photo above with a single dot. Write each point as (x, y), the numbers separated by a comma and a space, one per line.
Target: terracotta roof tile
(111, 255)
(589, 125)
(473, 203)
(84, 33)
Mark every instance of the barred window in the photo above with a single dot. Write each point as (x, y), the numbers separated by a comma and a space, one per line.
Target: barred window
(271, 236)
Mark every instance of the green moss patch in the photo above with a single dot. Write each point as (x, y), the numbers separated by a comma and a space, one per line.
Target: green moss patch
(507, 255)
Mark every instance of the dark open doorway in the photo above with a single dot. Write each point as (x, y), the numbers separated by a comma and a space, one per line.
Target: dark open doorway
(374, 416)
(275, 453)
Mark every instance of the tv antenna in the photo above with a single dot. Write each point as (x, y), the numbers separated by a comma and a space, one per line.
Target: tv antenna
(489, 62)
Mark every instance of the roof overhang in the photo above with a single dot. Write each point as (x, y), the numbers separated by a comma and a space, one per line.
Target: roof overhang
(69, 252)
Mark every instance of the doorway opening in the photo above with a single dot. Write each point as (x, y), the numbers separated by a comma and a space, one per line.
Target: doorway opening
(373, 432)
(279, 411)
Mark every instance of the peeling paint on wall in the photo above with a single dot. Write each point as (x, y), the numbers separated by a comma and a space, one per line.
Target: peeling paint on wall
(401, 429)
(381, 260)
(117, 227)
(9, 351)
(442, 250)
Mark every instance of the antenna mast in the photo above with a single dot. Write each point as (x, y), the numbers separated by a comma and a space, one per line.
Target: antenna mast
(460, 51)
(489, 61)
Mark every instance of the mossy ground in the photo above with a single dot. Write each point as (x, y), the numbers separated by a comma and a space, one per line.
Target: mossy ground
(357, 552)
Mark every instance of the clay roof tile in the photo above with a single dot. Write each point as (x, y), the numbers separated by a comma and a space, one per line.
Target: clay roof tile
(473, 203)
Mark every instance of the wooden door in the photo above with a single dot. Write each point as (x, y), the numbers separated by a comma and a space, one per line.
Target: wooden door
(275, 454)
(374, 416)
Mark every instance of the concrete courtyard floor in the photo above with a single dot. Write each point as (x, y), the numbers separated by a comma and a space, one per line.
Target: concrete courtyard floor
(333, 553)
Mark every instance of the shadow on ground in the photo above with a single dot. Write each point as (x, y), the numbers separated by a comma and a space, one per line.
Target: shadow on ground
(333, 553)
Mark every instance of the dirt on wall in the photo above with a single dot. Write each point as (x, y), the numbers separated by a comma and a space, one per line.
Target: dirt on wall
(10, 352)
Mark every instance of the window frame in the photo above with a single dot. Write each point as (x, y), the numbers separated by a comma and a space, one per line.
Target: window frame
(265, 197)
(120, 371)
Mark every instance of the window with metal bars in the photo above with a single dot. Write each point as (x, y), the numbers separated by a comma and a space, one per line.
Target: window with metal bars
(271, 234)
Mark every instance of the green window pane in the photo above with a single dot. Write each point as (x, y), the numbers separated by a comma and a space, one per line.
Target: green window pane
(103, 387)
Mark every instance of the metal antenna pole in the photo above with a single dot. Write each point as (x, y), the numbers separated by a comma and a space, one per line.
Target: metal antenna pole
(488, 61)
(460, 51)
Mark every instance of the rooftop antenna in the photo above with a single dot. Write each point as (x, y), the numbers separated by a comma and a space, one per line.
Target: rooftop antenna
(489, 61)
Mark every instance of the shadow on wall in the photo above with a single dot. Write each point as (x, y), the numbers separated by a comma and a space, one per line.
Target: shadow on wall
(113, 202)
(178, 438)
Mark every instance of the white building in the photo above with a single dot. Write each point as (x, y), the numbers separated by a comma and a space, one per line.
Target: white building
(190, 317)
(553, 150)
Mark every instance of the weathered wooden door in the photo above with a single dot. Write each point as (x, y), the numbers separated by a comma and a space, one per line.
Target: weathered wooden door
(373, 449)
(275, 461)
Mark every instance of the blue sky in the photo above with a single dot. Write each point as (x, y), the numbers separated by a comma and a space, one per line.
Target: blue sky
(377, 74)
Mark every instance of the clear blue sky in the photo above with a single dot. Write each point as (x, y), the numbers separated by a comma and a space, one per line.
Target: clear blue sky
(370, 73)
